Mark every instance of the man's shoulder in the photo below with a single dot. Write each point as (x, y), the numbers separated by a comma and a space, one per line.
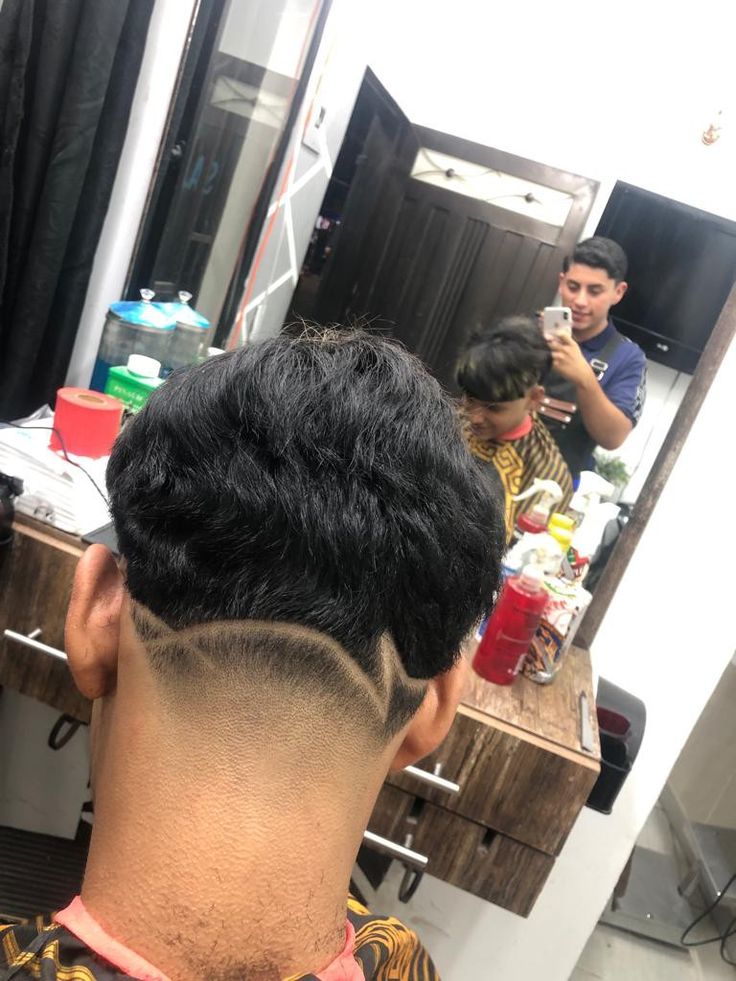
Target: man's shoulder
(626, 363)
(627, 352)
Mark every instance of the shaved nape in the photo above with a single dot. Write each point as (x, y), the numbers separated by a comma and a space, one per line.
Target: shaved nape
(252, 655)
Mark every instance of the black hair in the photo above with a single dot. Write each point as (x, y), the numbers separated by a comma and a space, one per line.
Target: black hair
(600, 253)
(501, 363)
(321, 481)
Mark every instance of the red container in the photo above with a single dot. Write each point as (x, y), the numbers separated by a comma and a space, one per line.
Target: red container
(512, 626)
(531, 521)
(87, 422)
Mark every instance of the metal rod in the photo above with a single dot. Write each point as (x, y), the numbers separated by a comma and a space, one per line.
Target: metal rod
(35, 644)
(433, 780)
(396, 851)
(586, 731)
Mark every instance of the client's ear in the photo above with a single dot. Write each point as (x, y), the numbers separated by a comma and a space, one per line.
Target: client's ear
(536, 397)
(432, 721)
(93, 622)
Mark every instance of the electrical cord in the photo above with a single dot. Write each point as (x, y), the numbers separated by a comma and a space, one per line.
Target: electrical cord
(730, 930)
(53, 429)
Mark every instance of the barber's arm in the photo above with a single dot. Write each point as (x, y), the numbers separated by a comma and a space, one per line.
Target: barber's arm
(606, 423)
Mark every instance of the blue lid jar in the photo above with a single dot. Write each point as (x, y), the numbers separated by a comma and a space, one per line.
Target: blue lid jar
(184, 315)
(191, 337)
(143, 313)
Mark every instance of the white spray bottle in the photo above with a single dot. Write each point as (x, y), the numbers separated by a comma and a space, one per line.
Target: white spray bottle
(595, 515)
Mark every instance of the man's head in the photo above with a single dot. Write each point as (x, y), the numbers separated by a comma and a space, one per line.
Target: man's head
(593, 280)
(304, 534)
(501, 374)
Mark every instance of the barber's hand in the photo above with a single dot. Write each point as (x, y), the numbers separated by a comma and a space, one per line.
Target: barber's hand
(568, 360)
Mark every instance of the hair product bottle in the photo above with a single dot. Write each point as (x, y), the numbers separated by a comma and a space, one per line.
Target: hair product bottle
(535, 520)
(512, 626)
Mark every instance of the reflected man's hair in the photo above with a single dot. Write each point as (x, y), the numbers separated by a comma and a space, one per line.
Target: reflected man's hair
(600, 253)
(501, 363)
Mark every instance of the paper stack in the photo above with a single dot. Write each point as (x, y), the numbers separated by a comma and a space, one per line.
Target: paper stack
(53, 489)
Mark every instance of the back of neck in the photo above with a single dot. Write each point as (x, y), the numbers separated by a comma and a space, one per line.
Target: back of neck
(230, 861)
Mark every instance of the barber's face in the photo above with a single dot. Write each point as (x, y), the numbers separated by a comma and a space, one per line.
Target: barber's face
(490, 420)
(590, 293)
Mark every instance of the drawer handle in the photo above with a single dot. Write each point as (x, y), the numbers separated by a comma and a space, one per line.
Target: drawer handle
(30, 641)
(433, 780)
(393, 850)
(662, 347)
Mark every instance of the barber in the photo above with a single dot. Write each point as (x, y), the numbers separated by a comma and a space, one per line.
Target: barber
(596, 369)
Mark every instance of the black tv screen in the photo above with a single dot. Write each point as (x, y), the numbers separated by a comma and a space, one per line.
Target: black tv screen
(682, 265)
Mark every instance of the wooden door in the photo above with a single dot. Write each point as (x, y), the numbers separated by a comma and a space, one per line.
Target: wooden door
(429, 263)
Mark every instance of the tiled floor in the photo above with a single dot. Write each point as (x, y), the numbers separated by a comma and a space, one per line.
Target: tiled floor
(615, 955)
(612, 955)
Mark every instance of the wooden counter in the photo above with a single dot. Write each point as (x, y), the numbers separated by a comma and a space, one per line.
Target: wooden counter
(36, 574)
(514, 751)
(524, 778)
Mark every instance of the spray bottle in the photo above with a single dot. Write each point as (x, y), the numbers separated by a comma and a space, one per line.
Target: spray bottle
(533, 549)
(591, 488)
(595, 517)
(536, 518)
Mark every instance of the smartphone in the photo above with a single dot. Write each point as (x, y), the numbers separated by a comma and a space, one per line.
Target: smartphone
(556, 321)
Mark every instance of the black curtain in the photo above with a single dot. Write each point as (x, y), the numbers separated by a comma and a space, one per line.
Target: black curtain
(68, 70)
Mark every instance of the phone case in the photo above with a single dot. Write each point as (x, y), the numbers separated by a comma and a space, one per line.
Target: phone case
(556, 320)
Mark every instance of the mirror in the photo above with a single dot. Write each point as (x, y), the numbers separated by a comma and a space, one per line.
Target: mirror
(428, 236)
(246, 67)
(462, 176)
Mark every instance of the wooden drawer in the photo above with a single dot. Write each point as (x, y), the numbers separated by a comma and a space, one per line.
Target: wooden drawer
(36, 576)
(528, 789)
(465, 854)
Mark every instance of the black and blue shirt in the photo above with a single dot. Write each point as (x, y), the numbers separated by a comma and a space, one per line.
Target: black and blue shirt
(621, 369)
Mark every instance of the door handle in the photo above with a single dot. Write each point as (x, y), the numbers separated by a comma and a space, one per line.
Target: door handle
(29, 640)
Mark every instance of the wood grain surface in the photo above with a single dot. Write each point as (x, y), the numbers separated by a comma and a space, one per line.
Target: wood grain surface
(547, 712)
(529, 792)
(462, 852)
(36, 574)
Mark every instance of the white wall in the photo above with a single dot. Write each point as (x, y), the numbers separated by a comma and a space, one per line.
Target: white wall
(704, 777)
(666, 388)
(608, 90)
(41, 789)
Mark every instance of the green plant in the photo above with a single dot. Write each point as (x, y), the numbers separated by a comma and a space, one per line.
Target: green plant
(612, 468)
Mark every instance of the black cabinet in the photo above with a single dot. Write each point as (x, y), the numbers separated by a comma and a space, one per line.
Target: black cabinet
(660, 347)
